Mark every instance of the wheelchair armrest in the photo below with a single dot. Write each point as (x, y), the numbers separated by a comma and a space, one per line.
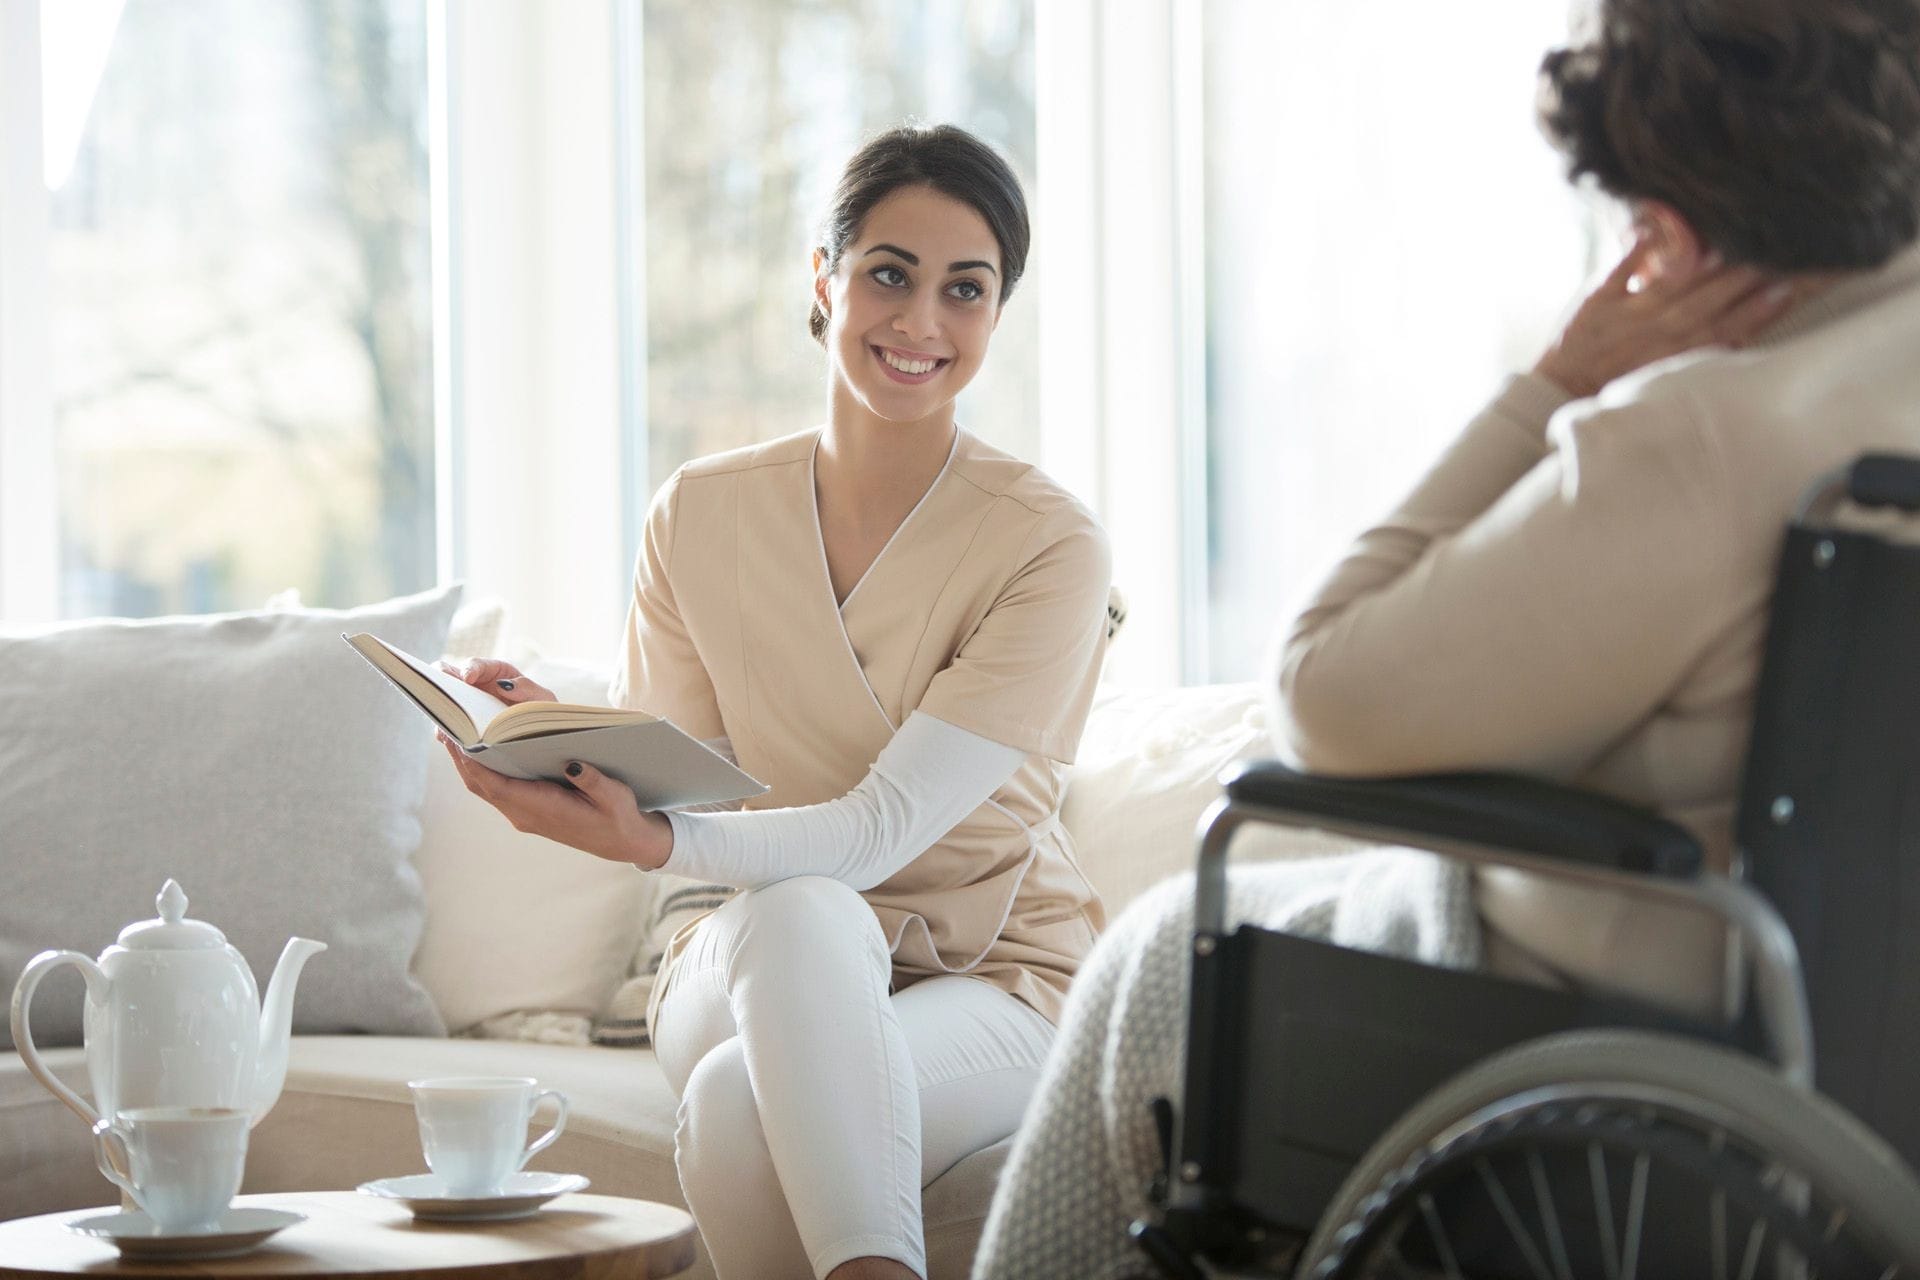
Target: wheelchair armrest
(1541, 820)
(1522, 822)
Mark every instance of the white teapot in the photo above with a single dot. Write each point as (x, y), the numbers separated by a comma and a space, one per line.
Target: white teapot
(173, 1018)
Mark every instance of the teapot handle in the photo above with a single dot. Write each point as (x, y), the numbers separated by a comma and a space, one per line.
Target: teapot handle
(37, 968)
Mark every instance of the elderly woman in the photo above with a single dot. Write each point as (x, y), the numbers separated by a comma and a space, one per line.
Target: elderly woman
(1577, 589)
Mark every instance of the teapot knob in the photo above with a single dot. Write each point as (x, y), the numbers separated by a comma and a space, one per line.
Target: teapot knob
(172, 902)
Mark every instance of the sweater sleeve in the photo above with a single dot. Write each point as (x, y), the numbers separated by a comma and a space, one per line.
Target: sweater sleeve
(928, 777)
(1526, 605)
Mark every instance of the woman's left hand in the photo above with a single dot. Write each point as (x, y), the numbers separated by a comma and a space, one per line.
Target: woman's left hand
(1618, 327)
(595, 814)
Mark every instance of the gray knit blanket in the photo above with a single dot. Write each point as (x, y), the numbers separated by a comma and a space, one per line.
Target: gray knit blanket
(1082, 1161)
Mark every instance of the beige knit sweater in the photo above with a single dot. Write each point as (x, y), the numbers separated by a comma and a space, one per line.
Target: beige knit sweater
(1577, 590)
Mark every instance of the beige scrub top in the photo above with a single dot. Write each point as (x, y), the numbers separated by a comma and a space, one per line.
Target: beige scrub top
(987, 610)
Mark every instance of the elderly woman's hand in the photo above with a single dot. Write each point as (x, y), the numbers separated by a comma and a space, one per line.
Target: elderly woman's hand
(591, 812)
(1638, 315)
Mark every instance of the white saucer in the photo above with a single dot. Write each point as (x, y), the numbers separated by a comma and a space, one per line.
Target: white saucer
(522, 1194)
(136, 1235)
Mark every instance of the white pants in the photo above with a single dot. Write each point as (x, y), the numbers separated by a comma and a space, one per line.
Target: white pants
(813, 1105)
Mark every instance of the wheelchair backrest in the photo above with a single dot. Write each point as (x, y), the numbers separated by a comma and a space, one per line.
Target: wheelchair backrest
(1829, 816)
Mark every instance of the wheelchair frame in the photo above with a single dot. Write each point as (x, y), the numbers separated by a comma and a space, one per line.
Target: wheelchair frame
(1219, 1196)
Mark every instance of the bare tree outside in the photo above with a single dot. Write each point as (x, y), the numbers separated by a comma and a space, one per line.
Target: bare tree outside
(241, 319)
(241, 311)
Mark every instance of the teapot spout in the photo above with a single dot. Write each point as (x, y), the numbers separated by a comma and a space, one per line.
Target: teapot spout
(276, 1024)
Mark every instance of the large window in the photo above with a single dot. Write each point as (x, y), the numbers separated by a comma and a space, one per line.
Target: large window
(1285, 251)
(1386, 235)
(750, 108)
(239, 302)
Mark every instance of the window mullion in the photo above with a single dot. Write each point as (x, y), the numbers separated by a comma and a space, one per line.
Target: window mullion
(29, 555)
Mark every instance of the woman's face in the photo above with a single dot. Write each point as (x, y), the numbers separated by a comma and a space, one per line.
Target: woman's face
(911, 304)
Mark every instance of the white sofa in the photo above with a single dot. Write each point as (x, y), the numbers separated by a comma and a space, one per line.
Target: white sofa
(1145, 773)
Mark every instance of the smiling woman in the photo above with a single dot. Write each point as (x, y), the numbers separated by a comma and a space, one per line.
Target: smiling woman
(898, 628)
(746, 111)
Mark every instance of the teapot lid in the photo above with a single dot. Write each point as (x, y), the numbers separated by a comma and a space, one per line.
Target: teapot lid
(171, 932)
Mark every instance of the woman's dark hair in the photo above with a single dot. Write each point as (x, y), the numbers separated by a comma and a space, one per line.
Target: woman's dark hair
(1787, 132)
(951, 161)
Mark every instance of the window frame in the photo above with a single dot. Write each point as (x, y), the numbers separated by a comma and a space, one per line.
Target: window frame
(29, 523)
(1123, 307)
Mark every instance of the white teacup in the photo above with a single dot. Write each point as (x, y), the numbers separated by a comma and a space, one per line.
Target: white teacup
(474, 1128)
(182, 1165)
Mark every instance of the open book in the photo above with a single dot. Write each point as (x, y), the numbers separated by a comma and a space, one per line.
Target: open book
(665, 767)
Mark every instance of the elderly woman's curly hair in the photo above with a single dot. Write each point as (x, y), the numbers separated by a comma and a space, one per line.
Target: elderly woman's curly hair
(1787, 132)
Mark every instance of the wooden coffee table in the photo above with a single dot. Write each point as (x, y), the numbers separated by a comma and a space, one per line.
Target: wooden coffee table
(347, 1234)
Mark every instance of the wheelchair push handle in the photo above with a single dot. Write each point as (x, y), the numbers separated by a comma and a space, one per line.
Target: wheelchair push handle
(1885, 480)
(1871, 480)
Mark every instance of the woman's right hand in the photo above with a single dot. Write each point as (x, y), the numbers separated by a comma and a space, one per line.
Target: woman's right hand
(1619, 328)
(501, 679)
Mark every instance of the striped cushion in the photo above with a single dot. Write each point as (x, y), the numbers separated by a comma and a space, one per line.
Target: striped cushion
(623, 1023)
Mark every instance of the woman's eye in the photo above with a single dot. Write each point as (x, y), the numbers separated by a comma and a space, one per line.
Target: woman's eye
(892, 277)
(967, 290)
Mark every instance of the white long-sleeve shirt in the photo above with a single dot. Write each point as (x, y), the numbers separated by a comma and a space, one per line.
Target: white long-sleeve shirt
(927, 778)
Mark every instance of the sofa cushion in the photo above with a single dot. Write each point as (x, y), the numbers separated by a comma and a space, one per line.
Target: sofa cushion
(252, 757)
(1149, 765)
(515, 922)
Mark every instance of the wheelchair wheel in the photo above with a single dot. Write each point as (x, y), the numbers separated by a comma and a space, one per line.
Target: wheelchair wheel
(1621, 1156)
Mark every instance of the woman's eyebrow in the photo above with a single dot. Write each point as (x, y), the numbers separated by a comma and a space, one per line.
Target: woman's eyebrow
(913, 259)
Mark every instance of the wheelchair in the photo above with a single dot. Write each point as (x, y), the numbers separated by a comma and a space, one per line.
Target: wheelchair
(1348, 1114)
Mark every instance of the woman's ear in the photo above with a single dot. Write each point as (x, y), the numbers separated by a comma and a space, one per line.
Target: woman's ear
(820, 276)
(1675, 248)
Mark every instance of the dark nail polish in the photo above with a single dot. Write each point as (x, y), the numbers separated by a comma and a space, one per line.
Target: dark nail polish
(573, 769)
(504, 684)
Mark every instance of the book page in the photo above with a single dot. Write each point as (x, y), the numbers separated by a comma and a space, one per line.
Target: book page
(528, 719)
(459, 708)
(480, 706)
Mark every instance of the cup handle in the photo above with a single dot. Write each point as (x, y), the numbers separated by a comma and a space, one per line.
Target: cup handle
(108, 1142)
(545, 1140)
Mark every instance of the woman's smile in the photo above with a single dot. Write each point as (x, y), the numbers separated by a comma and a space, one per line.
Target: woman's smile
(910, 367)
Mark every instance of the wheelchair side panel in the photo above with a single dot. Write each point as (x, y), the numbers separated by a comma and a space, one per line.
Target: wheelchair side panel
(1317, 1049)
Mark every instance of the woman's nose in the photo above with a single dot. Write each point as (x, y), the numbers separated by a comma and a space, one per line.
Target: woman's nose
(918, 319)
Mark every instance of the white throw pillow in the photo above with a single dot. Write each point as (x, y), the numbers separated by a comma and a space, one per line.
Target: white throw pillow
(517, 924)
(1149, 765)
(254, 758)
(476, 629)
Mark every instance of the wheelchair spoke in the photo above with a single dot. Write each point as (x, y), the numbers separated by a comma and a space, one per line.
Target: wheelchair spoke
(1437, 1232)
(1636, 1216)
(1549, 1216)
(1751, 1263)
(1717, 1209)
(1603, 1208)
(1511, 1216)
